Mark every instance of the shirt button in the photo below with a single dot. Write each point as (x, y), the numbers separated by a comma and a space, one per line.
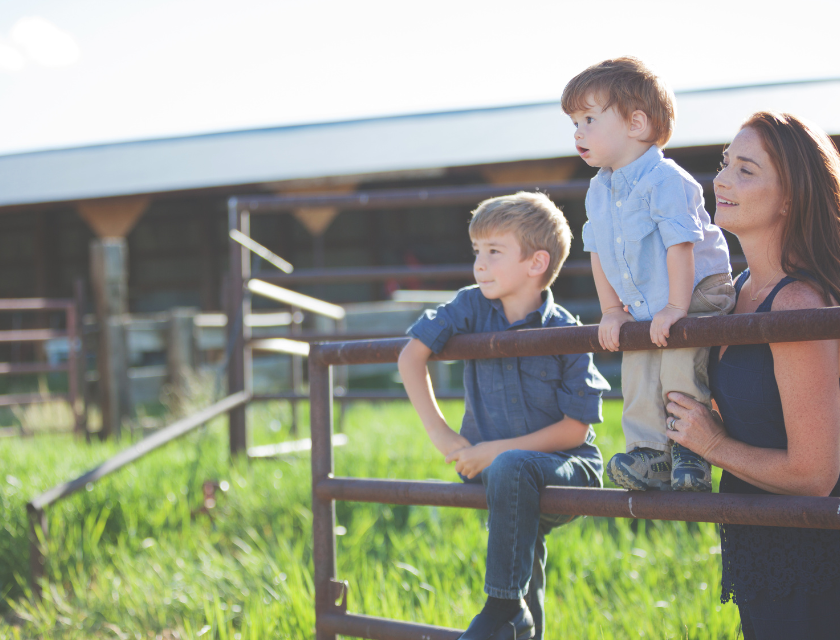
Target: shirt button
(580, 393)
(509, 367)
(442, 323)
(542, 374)
(626, 275)
(513, 401)
(637, 303)
(618, 204)
(618, 239)
(635, 181)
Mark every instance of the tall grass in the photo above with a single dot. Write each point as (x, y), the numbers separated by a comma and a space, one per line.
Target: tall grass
(135, 557)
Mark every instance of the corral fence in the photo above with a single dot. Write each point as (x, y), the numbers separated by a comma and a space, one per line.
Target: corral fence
(73, 366)
(37, 507)
(240, 210)
(331, 594)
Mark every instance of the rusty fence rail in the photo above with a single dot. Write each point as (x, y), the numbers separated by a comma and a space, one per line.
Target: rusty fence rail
(331, 594)
(71, 307)
(36, 508)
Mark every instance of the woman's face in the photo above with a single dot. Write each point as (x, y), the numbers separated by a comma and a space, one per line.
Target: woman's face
(748, 191)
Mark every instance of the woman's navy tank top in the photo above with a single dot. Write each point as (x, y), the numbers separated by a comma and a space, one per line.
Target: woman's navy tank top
(769, 559)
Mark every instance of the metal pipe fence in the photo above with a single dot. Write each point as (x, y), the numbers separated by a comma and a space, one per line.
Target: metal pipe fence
(71, 308)
(36, 508)
(331, 594)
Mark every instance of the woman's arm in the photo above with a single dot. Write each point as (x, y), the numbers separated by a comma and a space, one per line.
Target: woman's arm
(807, 377)
(567, 433)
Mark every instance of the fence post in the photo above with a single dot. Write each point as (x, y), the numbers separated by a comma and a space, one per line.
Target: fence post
(239, 307)
(77, 350)
(296, 365)
(323, 511)
(37, 559)
(181, 348)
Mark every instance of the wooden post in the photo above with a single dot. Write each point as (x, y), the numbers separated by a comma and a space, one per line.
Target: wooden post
(37, 557)
(238, 308)
(109, 278)
(181, 348)
(81, 360)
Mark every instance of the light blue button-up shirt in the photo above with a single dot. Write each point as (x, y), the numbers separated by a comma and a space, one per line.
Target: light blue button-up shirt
(634, 215)
(510, 397)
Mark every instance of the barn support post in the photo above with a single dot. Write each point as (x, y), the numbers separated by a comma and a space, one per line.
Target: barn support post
(111, 219)
(238, 309)
(109, 278)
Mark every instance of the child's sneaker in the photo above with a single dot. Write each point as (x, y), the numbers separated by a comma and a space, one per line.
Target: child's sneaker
(641, 469)
(690, 471)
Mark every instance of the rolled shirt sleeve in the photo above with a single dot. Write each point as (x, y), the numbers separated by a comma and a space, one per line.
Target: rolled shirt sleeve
(435, 326)
(674, 205)
(588, 236)
(579, 394)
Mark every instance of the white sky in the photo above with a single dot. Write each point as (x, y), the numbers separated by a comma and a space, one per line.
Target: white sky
(78, 72)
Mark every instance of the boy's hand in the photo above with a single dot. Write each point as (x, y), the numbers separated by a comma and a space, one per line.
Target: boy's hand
(471, 461)
(660, 326)
(610, 327)
(446, 440)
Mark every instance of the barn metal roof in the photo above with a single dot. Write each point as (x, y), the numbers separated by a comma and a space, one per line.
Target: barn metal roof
(397, 143)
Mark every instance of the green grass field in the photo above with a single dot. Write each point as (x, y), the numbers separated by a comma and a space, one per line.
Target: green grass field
(130, 558)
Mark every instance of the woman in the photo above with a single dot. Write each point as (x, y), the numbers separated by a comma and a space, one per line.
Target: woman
(778, 430)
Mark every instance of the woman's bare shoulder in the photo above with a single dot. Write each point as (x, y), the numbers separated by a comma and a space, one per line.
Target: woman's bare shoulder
(801, 294)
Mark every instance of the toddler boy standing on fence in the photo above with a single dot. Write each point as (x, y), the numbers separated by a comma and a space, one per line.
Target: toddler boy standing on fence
(655, 256)
(527, 420)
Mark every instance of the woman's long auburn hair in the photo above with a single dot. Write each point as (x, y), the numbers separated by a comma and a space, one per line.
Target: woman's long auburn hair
(808, 165)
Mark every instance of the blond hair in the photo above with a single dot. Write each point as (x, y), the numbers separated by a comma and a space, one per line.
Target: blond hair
(533, 219)
(628, 85)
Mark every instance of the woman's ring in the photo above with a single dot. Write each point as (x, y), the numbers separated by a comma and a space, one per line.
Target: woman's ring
(670, 424)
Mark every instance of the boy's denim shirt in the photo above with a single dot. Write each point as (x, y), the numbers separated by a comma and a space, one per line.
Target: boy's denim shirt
(510, 397)
(634, 215)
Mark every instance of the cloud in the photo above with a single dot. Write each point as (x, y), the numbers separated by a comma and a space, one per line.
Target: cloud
(43, 43)
(10, 58)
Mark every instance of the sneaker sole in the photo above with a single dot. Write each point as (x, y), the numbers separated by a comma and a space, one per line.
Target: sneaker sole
(627, 479)
(691, 485)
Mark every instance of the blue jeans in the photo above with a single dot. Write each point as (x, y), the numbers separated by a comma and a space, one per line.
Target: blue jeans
(798, 615)
(516, 550)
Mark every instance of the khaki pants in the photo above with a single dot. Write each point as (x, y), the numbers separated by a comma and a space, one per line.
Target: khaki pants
(646, 376)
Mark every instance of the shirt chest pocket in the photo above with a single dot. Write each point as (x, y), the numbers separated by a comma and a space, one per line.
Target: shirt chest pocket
(541, 378)
(636, 223)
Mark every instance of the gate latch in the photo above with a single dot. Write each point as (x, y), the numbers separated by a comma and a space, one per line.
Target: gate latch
(338, 595)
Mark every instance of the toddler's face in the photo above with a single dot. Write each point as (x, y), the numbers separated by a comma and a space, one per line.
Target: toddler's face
(602, 137)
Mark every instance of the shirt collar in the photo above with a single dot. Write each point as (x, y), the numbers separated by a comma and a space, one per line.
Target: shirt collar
(541, 316)
(634, 171)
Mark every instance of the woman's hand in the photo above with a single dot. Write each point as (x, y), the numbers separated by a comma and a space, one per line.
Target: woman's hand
(471, 461)
(694, 426)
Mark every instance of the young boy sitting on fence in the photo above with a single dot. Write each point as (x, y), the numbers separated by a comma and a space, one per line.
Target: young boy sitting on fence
(655, 256)
(527, 420)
